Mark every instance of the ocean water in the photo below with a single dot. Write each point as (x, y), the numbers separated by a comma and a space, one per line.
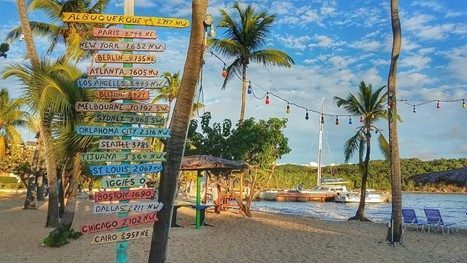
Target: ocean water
(453, 208)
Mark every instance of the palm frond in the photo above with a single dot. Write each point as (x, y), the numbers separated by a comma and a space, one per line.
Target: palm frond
(384, 146)
(351, 145)
(272, 57)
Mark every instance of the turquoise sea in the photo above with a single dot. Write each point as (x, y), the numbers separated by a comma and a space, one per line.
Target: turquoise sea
(453, 208)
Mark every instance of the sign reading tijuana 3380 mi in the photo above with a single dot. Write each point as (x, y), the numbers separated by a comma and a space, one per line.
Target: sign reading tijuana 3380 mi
(128, 20)
(122, 72)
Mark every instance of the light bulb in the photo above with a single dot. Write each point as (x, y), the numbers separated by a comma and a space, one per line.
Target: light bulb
(306, 116)
(224, 72)
(288, 109)
(350, 120)
(322, 119)
(437, 105)
(250, 90)
(463, 103)
(361, 118)
(337, 120)
(212, 33)
(267, 99)
(414, 109)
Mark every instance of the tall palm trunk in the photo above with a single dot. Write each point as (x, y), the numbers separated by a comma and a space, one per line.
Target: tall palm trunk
(395, 231)
(37, 169)
(244, 80)
(176, 143)
(360, 215)
(51, 164)
(69, 211)
(26, 29)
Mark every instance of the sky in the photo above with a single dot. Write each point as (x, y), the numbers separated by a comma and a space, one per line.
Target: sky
(335, 46)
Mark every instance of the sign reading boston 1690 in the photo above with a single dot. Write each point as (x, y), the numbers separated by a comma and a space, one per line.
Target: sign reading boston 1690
(124, 195)
(119, 19)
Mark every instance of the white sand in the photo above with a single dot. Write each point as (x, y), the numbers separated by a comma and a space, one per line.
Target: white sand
(264, 238)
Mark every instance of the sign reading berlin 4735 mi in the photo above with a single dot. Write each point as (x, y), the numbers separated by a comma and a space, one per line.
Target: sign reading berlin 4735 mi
(100, 170)
(123, 131)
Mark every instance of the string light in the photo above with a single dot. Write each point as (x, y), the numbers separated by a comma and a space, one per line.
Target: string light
(437, 104)
(350, 120)
(463, 103)
(361, 118)
(337, 120)
(267, 99)
(249, 88)
(224, 72)
(307, 116)
(288, 108)
(322, 118)
(414, 109)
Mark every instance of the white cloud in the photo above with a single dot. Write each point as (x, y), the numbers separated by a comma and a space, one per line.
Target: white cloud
(366, 45)
(421, 26)
(418, 62)
(413, 80)
(296, 42)
(458, 62)
(323, 41)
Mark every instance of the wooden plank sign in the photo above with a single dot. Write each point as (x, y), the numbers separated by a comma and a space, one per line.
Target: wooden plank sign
(122, 94)
(122, 72)
(122, 236)
(123, 156)
(101, 170)
(131, 181)
(121, 83)
(122, 19)
(121, 107)
(153, 206)
(129, 118)
(122, 131)
(122, 145)
(122, 46)
(108, 196)
(118, 223)
(123, 33)
(124, 58)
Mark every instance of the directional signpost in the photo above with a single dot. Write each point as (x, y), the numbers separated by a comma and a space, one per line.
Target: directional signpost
(122, 161)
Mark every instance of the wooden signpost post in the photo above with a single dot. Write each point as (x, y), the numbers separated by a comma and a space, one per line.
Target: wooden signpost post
(133, 169)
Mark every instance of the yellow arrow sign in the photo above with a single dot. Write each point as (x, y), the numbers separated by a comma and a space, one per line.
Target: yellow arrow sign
(122, 19)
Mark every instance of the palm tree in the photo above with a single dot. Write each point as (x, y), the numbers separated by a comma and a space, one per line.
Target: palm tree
(395, 231)
(371, 107)
(244, 41)
(72, 34)
(26, 29)
(11, 116)
(45, 90)
(179, 125)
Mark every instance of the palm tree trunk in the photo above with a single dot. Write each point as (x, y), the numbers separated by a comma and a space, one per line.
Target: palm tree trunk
(175, 146)
(242, 109)
(69, 211)
(360, 215)
(395, 231)
(26, 29)
(37, 169)
(51, 164)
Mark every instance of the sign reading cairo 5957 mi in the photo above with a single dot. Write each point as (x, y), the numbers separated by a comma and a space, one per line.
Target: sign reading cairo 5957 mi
(122, 46)
(123, 131)
(123, 156)
(128, 20)
(129, 118)
(122, 72)
(101, 170)
(121, 107)
(124, 195)
(153, 206)
(122, 94)
(123, 33)
(121, 144)
(122, 236)
(131, 181)
(121, 83)
(124, 58)
(118, 223)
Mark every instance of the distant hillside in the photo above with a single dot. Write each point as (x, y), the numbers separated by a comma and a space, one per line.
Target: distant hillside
(290, 175)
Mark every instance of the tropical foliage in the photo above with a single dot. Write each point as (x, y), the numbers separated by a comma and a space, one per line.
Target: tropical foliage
(246, 35)
(371, 107)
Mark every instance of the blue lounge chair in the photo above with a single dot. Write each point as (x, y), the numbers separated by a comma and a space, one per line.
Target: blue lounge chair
(434, 219)
(410, 219)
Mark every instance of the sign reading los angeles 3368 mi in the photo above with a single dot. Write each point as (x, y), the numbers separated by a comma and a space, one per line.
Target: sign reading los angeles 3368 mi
(122, 131)
(122, 46)
(121, 107)
(101, 170)
(124, 58)
(128, 20)
(123, 33)
(118, 223)
(121, 83)
(122, 72)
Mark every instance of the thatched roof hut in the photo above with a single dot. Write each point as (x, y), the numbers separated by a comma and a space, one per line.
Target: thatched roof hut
(457, 177)
(212, 163)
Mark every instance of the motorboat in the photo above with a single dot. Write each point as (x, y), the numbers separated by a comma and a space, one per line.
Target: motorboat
(371, 196)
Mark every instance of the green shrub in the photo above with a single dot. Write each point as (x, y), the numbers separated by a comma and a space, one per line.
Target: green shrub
(59, 237)
(8, 180)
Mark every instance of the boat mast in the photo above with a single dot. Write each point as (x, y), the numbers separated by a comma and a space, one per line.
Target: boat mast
(320, 143)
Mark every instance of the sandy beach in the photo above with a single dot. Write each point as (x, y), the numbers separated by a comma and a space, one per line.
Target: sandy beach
(232, 238)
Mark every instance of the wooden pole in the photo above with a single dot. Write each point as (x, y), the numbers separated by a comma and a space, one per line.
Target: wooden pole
(198, 201)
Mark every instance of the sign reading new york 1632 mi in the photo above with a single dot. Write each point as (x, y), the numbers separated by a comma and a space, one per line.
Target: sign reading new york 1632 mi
(122, 46)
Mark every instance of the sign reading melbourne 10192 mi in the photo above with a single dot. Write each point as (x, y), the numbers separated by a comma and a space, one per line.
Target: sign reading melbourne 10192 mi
(121, 107)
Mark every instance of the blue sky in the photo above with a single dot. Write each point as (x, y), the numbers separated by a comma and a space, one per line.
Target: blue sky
(335, 44)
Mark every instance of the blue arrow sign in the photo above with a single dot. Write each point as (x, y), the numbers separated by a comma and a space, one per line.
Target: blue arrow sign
(101, 170)
(122, 131)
